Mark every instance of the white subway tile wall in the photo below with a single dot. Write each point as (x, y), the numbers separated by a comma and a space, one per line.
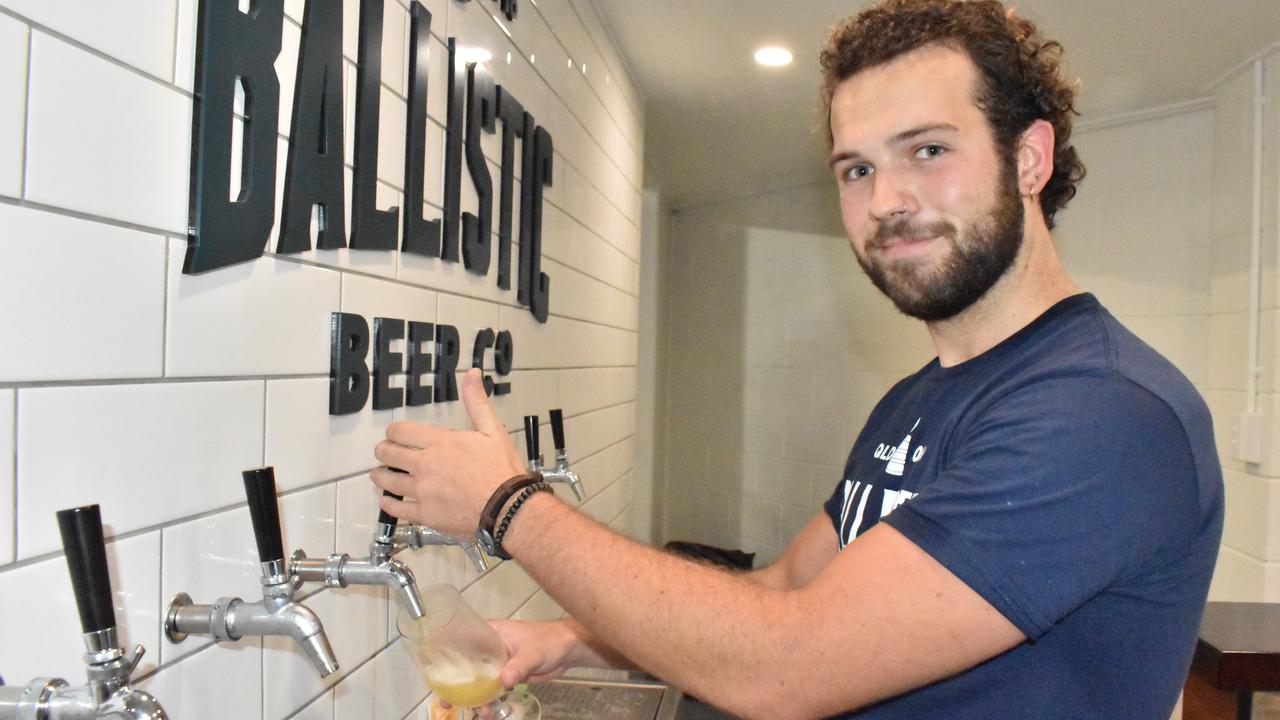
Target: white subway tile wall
(89, 324)
(149, 454)
(268, 316)
(104, 140)
(13, 86)
(134, 565)
(148, 391)
(8, 491)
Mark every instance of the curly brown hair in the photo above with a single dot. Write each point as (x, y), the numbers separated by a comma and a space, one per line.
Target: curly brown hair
(1020, 71)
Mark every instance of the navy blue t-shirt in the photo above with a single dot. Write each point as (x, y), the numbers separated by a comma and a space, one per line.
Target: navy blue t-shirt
(1069, 476)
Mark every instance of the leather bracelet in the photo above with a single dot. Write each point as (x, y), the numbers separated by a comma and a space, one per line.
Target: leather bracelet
(499, 498)
(501, 532)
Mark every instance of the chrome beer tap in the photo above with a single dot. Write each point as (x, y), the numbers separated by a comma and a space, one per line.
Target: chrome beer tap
(561, 472)
(420, 536)
(107, 693)
(231, 618)
(339, 570)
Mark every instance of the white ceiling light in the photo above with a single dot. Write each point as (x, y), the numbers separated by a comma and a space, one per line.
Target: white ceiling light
(773, 56)
(474, 55)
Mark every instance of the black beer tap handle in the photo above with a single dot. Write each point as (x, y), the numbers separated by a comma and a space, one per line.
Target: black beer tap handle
(557, 429)
(531, 436)
(383, 515)
(260, 487)
(87, 561)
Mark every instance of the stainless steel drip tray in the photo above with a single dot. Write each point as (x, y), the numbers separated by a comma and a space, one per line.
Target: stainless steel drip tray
(577, 699)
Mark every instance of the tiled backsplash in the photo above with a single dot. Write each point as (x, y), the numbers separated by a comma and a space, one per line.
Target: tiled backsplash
(129, 384)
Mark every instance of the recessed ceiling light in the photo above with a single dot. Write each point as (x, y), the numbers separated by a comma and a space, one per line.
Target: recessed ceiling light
(773, 56)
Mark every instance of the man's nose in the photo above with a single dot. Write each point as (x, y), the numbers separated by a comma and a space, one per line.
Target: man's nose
(892, 198)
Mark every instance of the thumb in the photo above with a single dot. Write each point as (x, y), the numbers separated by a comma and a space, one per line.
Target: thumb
(480, 410)
(518, 668)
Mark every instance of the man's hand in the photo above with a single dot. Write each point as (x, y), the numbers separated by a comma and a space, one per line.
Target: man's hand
(538, 651)
(448, 474)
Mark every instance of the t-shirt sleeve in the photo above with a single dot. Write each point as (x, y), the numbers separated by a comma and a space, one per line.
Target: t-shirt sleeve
(1058, 491)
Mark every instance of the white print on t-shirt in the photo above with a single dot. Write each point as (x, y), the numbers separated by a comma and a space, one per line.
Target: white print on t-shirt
(896, 456)
(854, 506)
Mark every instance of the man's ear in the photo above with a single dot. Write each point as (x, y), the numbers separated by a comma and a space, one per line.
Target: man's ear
(1035, 158)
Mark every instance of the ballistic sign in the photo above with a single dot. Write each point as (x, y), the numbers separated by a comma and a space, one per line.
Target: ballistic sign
(240, 48)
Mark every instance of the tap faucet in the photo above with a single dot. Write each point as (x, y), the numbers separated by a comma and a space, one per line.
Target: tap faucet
(561, 472)
(231, 618)
(107, 693)
(420, 536)
(377, 569)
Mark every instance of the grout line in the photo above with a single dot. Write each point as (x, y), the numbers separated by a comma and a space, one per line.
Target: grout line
(160, 603)
(14, 461)
(173, 522)
(170, 235)
(113, 382)
(563, 158)
(262, 686)
(337, 522)
(164, 314)
(537, 71)
(94, 52)
(612, 39)
(26, 117)
(590, 87)
(263, 456)
(453, 293)
(32, 26)
(173, 66)
(78, 215)
(347, 674)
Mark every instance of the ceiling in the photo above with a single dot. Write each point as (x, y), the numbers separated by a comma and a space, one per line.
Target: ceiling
(719, 126)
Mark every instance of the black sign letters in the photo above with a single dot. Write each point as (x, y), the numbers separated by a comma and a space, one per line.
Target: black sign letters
(351, 381)
(240, 48)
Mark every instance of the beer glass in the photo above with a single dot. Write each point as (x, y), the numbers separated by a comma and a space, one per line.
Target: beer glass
(459, 656)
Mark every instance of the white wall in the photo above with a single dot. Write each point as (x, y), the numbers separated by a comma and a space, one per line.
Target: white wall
(1249, 564)
(779, 347)
(126, 383)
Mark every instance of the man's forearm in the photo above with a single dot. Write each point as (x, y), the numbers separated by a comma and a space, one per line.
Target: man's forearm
(696, 626)
(591, 651)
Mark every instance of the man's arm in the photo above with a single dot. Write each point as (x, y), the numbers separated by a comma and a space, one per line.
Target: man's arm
(884, 617)
(541, 651)
(811, 551)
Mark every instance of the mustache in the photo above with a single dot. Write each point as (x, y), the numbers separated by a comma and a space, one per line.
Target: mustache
(906, 230)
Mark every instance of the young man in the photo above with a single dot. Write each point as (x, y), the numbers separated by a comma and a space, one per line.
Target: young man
(1040, 539)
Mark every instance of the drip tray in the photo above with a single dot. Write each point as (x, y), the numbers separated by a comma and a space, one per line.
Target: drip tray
(568, 699)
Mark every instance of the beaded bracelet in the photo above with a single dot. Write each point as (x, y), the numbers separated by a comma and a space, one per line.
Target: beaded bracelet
(511, 513)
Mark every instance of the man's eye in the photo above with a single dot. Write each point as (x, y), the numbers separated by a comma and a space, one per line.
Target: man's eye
(857, 172)
(930, 151)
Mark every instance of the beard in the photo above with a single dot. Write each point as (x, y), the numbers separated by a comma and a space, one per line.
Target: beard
(978, 258)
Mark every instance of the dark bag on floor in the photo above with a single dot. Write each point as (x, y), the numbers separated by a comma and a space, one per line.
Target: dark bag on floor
(734, 559)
